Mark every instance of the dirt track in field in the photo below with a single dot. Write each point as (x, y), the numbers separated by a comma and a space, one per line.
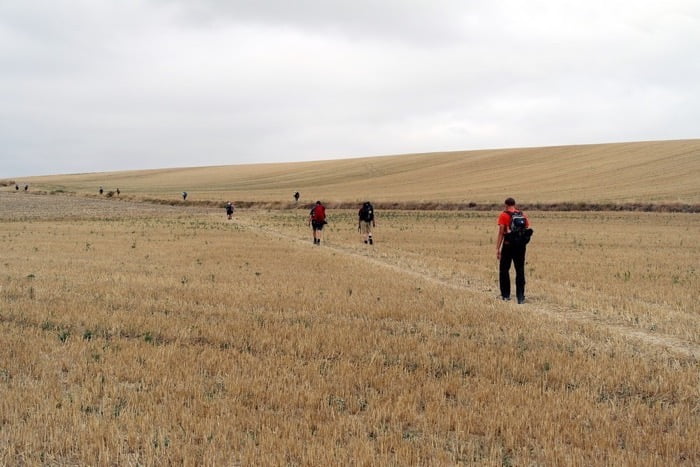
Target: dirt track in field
(16, 207)
(552, 311)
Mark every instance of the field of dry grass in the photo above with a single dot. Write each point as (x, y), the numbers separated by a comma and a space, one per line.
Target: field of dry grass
(141, 334)
(646, 172)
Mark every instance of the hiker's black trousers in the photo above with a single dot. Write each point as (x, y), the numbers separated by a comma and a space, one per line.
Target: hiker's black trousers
(512, 254)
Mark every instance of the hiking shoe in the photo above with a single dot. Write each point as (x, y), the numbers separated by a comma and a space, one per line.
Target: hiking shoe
(371, 242)
(366, 242)
(505, 299)
(521, 300)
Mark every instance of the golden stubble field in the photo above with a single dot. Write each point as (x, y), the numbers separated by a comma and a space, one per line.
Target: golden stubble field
(650, 172)
(135, 334)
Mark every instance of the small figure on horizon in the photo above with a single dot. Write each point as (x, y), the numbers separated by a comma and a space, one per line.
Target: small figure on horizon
(101, 189)
(296, 196)
(184, 196)
(26, 187)
(317, 219)
(229, 209)
(16, 187)
(118, 192)
(366, 222)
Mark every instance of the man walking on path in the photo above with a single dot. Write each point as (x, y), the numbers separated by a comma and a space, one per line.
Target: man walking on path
(317, 219)
(229, 209)
(514, 233)
(366, 222)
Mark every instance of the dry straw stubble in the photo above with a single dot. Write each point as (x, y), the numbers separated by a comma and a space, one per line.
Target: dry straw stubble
(180, 337)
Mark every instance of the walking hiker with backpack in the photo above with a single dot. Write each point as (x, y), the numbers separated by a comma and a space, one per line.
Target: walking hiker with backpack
(514, 233)
(317, 219)
(229, 209)
(365, 222)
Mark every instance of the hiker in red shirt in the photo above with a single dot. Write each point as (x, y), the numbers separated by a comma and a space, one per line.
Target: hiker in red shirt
(317, 219)
(514, 233)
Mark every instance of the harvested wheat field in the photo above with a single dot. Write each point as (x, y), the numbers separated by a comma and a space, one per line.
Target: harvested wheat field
(648, 172)
(137, 333)
(176, 336)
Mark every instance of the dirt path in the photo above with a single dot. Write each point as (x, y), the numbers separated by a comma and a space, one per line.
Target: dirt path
(550, 310)
(17, 207)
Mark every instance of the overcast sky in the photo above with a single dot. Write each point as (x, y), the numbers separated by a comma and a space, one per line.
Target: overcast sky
(100, 85)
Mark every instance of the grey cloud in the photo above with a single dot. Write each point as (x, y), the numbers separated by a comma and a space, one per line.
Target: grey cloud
(403, 20)
(109, 85)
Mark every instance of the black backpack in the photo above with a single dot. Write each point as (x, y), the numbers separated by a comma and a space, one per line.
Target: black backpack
(517, 221)
(367, 212)
(519, 233)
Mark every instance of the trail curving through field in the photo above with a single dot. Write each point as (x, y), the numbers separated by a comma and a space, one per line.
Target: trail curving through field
(22, 207)
(475, 285)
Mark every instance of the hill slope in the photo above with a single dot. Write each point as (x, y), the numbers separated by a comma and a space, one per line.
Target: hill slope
(642, 172)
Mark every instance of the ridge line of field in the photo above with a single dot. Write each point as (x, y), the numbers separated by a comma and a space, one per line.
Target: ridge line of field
(430, 205)
(564, 206)
(477, 286)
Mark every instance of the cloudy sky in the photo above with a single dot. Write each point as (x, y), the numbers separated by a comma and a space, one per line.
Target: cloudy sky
(99, 85)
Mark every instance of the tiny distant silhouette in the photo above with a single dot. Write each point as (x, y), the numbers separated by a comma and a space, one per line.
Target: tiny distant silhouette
(118, 192)
(26, 187)
(184, 196)
(229, 209)
(101, 190)
(296, 196)
(16, 187)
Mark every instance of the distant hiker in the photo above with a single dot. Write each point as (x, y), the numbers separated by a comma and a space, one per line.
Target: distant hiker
(229, 209)
(365, 221)
(118, 192)
(184, 196)
(26, 187)
(514, 233)
(317, 219)
(16, 187)
(101, 190)
(296, 196)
